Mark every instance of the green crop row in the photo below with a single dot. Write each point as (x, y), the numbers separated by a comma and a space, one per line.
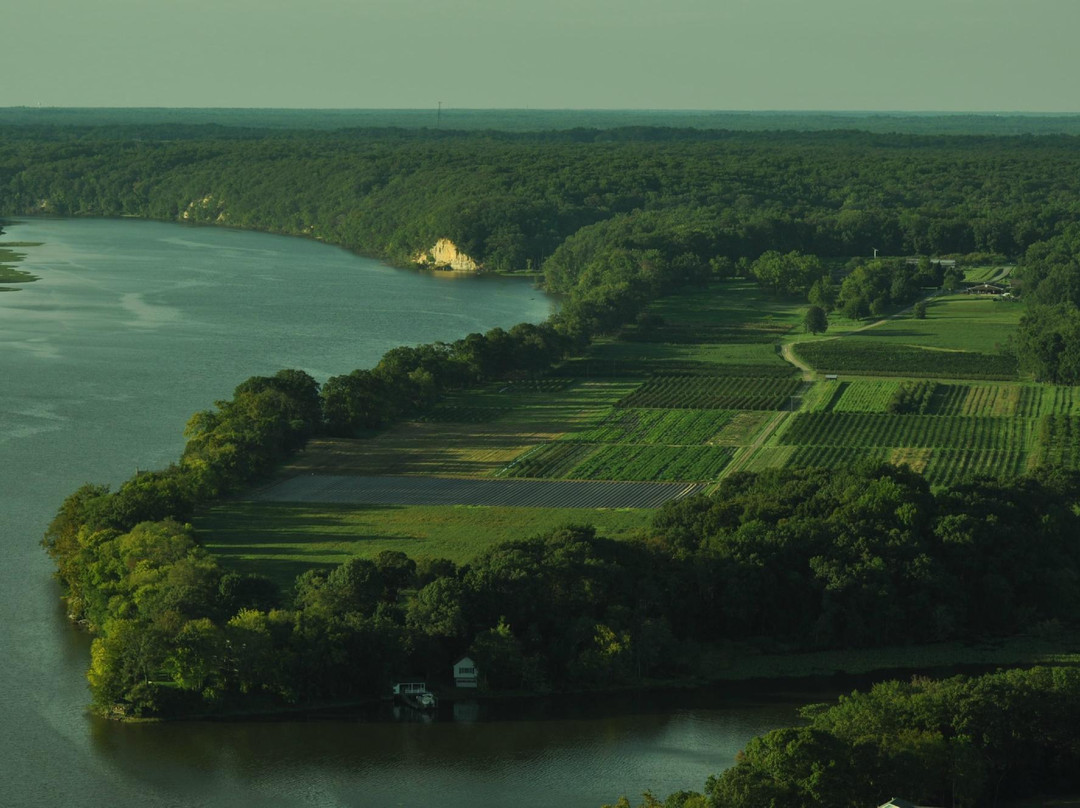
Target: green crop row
(866, 430)
(833, 457)
(862, 396)
(950, 466)
(655, 426)
(702, 392)
(912, 398)
(939, 466)
(977, 399)
(657, 463)
(874, 395)
(553, 459)
(1059, 441)
(1038, 400)
(855, 355)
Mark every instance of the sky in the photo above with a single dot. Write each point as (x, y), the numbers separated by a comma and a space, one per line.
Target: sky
(913, 55)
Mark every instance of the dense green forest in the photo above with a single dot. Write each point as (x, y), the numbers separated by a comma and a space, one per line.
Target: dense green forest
(611, 215)
(512, 200)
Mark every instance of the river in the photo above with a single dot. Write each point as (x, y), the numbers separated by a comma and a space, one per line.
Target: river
(132, 327)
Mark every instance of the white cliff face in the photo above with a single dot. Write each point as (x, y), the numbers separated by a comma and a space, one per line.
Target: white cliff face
(209, 208)
(446, 254)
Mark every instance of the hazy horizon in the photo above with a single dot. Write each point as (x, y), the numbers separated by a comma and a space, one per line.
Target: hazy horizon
(949, 56)
(686, 110)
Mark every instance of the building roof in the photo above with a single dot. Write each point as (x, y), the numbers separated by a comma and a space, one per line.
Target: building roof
(945, 262)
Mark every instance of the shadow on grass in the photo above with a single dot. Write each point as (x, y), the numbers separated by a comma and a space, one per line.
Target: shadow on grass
(888, 333)
(282, 572)
(280, 522)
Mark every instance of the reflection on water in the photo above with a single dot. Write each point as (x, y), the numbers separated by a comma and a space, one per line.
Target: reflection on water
(576, 752)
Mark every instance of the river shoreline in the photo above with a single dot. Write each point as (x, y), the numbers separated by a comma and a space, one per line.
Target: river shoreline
(536, 276)
(763, 675)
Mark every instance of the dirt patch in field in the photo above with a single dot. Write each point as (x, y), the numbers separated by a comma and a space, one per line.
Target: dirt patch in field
(471, 450)
(741, 429)
(915, 458)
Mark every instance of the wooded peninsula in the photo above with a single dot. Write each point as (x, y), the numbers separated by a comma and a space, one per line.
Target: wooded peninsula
(861, 350)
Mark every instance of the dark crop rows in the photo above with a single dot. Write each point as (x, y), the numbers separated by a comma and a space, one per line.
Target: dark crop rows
(1059, 439)
(867, 430)
(852, 355)
(699, 392)
(654, 463)
(655, 426)
(548, 460)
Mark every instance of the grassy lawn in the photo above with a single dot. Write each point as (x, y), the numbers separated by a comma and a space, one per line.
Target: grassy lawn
(608, 355)
(954, 322)
(736, 303)
(741, 662)
(282, 540)
(983, 274)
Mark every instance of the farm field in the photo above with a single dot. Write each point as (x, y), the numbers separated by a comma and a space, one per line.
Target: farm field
(864, 355)
(1059, 440)
(946, 398)
(954, 322)
(697, 389)
(859, 430)
(675, 463)
(962, 429)
(672, 427)
(353, 489)
(961, 337)
(936, 394)
(581, 423)
(634, 408)
(282, 540)
(717, 392)
(473, 434)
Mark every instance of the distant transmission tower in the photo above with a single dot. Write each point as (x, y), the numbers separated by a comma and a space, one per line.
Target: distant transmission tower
(438, 116)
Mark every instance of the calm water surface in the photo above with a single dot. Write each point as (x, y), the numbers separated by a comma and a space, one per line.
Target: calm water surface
(133, 327)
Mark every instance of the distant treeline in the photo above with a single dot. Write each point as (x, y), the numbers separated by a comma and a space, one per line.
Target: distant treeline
(532, 120)
(512, 200)
(960, 742)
